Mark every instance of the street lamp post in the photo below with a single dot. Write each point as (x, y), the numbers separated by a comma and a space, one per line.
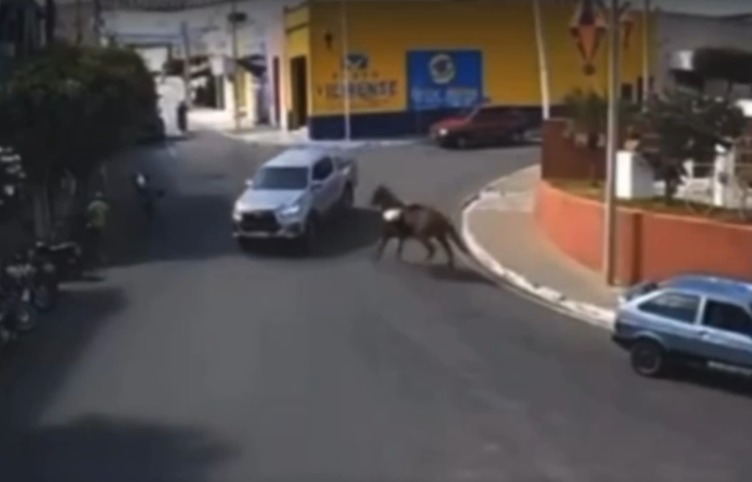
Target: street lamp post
(645, 52)
(614, 94)
(540, 41)
(345, 70)
(234, 19)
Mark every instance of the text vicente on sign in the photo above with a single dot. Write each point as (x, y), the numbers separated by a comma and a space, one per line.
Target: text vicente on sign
(366, 86)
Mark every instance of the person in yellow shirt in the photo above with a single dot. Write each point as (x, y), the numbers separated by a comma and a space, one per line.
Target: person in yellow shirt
(97, 217)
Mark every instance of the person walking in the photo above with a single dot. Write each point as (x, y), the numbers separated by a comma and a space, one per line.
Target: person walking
(97, 216)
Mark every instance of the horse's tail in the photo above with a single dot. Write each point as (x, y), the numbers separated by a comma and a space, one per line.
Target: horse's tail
(456, 238)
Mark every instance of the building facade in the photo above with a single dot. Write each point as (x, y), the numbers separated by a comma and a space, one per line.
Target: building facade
(207, 33)
(408, 62)
(679, 35)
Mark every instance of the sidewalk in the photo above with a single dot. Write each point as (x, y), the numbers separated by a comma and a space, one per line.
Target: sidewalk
(500, 231)
(221, 122)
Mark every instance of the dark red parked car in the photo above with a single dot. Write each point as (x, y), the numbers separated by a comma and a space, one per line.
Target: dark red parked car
(482, 126)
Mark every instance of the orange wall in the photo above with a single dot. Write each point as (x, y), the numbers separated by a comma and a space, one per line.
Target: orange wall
(649, 245)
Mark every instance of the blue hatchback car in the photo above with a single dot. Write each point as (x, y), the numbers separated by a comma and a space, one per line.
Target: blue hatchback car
(695, 319)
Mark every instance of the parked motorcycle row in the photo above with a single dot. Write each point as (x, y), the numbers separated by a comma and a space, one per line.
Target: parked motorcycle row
(29, 285)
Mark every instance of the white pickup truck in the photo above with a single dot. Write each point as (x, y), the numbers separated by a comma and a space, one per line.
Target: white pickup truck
(292, 193)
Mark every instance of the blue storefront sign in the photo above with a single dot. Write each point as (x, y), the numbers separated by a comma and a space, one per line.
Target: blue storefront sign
(444, 79)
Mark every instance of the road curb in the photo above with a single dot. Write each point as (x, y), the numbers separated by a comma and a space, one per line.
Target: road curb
(331, 144)
(587, 312)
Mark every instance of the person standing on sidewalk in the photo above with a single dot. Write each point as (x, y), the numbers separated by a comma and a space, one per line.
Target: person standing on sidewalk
(97, 216)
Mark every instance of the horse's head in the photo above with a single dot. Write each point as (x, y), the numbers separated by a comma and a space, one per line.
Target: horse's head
(384, 198)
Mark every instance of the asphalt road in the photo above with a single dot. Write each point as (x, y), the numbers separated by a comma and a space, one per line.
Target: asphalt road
(192, 362)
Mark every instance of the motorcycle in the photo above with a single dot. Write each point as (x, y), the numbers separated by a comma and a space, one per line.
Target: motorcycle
(66, 259)
(34, 279)
(17, 315)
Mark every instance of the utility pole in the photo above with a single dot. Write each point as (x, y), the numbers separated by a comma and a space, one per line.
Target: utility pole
(97, 5)
(540, 41)
(186, 40)
(79, 23)
(646, 57)
(234, 19)
(614, 94)
(345, 71)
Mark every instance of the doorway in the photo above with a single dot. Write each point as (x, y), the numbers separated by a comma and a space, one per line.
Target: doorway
(299, 92)
(277, 121)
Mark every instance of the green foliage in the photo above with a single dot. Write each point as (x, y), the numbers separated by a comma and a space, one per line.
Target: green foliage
(732, 65)
(69, 108)
(587, 113)
(679, 126)
(587, 116)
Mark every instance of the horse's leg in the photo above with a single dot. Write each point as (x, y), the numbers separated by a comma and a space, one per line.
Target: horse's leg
(382, 245)
(400, 245)
(430, 249)
(447, 249)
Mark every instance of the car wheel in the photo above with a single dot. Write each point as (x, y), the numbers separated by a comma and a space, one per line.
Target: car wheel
(518, 137)
(462, 142)
(648, 358)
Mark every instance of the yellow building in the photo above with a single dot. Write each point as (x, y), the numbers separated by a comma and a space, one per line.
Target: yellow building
(411, 62)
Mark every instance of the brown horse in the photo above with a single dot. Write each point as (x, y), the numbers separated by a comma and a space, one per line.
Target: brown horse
(417, 221)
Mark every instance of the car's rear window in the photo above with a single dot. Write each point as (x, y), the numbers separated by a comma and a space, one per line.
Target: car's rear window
(281, 178)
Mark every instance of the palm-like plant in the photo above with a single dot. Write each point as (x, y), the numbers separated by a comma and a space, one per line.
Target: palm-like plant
(587, 121)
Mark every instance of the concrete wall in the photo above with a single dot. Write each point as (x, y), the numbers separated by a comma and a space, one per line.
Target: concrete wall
(676, 32)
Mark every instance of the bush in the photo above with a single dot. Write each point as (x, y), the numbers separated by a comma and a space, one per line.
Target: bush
(587, 115)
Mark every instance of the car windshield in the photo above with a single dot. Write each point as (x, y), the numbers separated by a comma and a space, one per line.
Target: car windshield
(282, 178)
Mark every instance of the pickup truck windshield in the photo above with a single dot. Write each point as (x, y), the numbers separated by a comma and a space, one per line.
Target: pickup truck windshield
(282, 178)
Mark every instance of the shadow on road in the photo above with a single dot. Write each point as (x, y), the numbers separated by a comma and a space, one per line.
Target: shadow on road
(96, 449)
(187, 227)
(732, 384)
(33, 370)
(460, 274)
(361, 227)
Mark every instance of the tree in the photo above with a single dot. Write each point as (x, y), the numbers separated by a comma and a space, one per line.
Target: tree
(679, 126)
(69, 108)
(587, 115)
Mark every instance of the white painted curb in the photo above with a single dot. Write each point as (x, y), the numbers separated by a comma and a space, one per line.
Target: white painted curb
(589, 313)
(296, 143)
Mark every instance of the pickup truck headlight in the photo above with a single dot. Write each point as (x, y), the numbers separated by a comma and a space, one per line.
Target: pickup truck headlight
(443, 132)
(237, 212)
(291, 210)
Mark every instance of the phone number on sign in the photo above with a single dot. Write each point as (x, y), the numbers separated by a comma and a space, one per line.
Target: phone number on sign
(452, 98)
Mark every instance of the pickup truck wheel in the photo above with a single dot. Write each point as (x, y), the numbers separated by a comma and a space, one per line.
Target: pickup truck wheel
(308, 240)
(244, 244)
(348, 198)
(648, 358)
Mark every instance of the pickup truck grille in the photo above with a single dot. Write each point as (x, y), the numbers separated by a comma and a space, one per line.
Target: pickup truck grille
(259, 221)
